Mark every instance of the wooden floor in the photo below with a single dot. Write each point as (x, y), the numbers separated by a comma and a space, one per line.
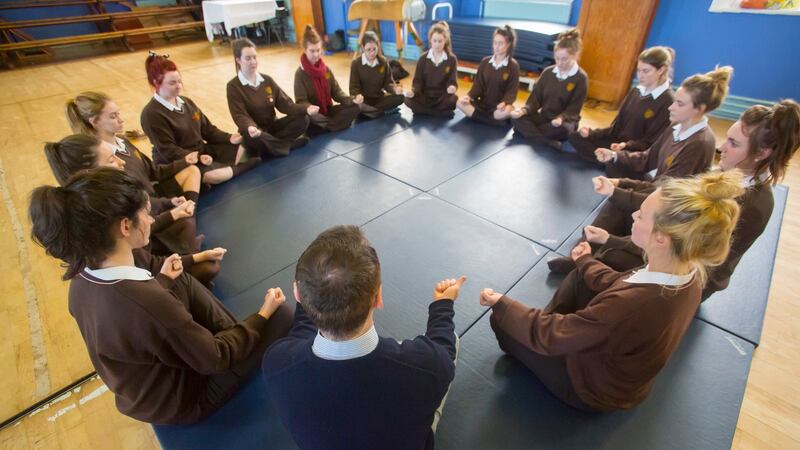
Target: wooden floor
(42, 349)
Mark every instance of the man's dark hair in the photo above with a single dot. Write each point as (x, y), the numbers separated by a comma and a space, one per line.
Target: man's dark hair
(337, 277)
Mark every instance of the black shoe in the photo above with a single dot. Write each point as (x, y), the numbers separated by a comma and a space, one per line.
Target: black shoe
(561, 264)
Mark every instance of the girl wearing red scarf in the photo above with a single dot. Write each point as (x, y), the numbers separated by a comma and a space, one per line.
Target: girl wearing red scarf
(315, 85)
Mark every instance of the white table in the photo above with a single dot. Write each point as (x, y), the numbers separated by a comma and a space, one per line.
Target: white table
(236, 13)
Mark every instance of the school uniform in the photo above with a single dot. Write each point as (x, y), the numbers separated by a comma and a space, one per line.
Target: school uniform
(374, 81)
(254, 105)
(604, 352)
(176, 131)
(339, 117)
(676, 153)
(431, 80)
(369, 392)
(170, 236)
(495, 82)
(555, 94)
(641, 119)
(168, 349)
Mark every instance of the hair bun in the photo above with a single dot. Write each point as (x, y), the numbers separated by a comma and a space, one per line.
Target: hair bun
(721, 75)
(719, 186)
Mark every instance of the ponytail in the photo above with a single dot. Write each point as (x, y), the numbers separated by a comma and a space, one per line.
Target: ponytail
(71, 155)
(444, 29)
(777, 129)
(74, 223)
(510, 36)
(82, 109)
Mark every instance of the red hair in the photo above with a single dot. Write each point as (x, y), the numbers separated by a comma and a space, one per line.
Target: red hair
(157, 66)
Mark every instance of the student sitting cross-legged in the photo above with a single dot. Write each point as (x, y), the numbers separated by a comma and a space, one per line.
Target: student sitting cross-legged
(335, 383)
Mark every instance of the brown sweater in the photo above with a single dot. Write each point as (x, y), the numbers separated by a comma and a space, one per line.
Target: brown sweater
(492, 86)
(148, 349)
(640, 120)
(755, 210)
(676, 159)
(255, 106)
(305, 94)
(431, 81)
(141, 167)
(553, 98)
(371, 82)
(175, 134)
(614, 347)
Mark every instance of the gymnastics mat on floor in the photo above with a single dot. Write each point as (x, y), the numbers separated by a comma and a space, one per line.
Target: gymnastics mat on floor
(425, 158)
(539, 193)
(740, 308)
(271, 170)
(577, 234)
(265, 229)
(496, 402)
(363, 132)
(247, 421)
(426, 240)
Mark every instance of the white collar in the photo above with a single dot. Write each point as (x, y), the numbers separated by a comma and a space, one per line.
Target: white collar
(245, 82)
(120, 273)
(563, 76)
(366, 62)
(748, 182)
(342, 350)
(678, 135)
(645, 276)
(120, 146)
(494, 63)
(169, 105)
(432, 58)
(658, 90)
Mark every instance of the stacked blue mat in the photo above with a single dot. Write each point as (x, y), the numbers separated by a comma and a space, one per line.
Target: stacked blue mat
(472, 40)
(443, 198)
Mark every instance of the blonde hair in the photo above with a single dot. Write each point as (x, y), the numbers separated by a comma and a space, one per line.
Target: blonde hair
(82, 109)
(699, 215)
(570, 40)
(709, 89)
(444, 29)
(310, 36)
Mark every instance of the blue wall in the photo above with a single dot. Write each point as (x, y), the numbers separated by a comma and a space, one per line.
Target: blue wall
(761, 48)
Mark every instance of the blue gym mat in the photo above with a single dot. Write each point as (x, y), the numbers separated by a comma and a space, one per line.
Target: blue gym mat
(541, 194)
(497, 403)
(441, 198)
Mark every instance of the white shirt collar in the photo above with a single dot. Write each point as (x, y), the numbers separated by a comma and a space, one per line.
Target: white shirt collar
(748, 182)
(245, 82)
(502, 63)
(681, 135)
(342, 350)
(658, 90)
(645, 276)
(432, 58)
(169, 105)
(120, 273)
(563, 76)
(119, 146)
(366, 62)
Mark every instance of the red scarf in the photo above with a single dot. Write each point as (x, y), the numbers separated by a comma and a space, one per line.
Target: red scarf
(317, 73)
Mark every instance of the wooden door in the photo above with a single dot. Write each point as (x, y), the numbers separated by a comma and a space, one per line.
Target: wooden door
(614, 33)
(307, 12)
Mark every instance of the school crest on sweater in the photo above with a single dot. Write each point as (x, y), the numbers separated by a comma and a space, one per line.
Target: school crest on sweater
(328, 75)
(505, 76)
(381, 69)
(649, 113)
(669, 160)
(446, 69)
(196, 116)
(570, 86)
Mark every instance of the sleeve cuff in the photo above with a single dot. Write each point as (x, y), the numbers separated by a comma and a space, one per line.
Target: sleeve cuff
(165, 281)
